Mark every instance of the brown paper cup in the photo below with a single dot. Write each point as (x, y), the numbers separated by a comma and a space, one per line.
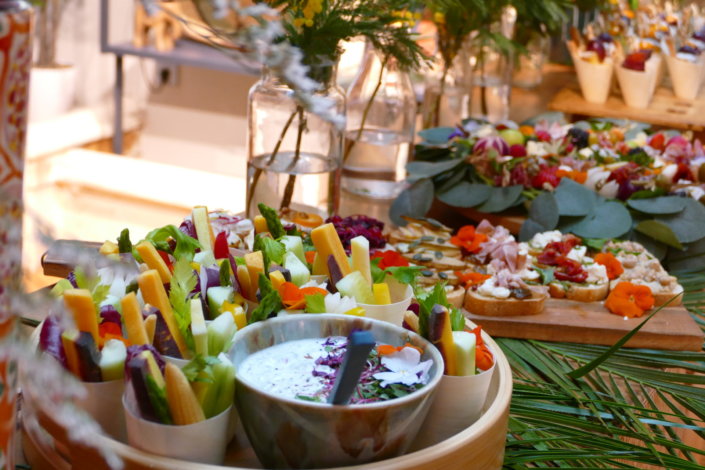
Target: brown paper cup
(594, 79)
(638, 87)
(203, 442)
(686, 77)
(394, 312)
(103, 403)
(458, 403)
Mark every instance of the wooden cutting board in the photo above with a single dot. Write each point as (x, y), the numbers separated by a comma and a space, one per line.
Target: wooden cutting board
(673, 328)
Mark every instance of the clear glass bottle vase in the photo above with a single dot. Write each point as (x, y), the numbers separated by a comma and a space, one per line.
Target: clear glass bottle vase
(381, 110)
(294, 155)
(447, 94)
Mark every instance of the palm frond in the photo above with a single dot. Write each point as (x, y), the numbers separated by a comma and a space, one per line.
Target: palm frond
(629, 406)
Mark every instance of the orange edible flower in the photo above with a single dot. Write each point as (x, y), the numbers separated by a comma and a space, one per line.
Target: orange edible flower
(310, 256)
(468, 239)
(387, 349)
(575, 175)
(629, 300)
(527, 131)
(307, 220)
(294, 298)
(472, 278)
(483, 356)
(612, 265)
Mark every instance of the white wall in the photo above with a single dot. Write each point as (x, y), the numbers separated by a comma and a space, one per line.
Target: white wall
(198, 123)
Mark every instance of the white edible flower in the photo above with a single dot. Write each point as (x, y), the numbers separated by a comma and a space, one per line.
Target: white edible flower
(335, 303)
(536, 149)
(404, 367)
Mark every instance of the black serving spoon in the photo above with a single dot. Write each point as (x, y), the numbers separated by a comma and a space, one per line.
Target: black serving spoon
(360, 343)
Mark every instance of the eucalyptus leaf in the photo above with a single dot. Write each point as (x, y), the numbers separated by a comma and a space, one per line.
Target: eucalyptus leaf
(647, 193)
(413, 201)
(658, 205)
(430, 169)
(436, 135)
(544, 210)
(660, 232)
(609, 219)
(530, 228)
(689, 224)
(690, 258)
(466, 194)
(656, 248)
(574, 199)
(502, 198)
(549, 117)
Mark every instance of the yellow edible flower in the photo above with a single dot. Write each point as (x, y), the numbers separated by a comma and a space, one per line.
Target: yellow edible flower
(439, 18)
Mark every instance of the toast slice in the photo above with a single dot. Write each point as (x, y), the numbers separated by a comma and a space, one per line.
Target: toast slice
(479, 304)
(579, 292)
(456, 296)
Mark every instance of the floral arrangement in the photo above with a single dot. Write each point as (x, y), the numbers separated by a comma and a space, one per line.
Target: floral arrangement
(599, 179)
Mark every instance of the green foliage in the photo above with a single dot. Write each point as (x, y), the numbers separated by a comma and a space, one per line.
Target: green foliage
(271, 301)
(413, 201)
(183, 281)
(319, 34)
(272, 250)
(274, 224)
(185, 246)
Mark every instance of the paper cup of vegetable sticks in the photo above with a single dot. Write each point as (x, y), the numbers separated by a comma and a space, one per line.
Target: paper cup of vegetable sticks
(202, 442)
(103, 402)
(458, 403)
(392, 313)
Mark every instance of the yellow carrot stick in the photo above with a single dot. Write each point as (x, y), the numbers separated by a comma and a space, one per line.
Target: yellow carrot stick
(80, 303)
(132, 316)
(154, 293)
(153, 260)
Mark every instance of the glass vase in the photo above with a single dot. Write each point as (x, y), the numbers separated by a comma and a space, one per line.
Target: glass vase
(491, 78)
(529, 71)
(381, 109)
(447, 94)
(294, 156)
(15, 63)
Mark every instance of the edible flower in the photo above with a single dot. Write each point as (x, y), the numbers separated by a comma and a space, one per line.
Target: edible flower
(575, 175)
(629, 300)
(335, 303)
(389, 258)
(611, 263)
(387, 349)
(471, 278)
(294, 297)
(483, 357)
(468, 239)
(404, 368)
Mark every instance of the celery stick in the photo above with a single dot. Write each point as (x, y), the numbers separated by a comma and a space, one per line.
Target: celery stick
(112, 360)
(198, 328)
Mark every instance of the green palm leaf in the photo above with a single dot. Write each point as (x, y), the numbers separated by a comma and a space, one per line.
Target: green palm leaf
(587, 406)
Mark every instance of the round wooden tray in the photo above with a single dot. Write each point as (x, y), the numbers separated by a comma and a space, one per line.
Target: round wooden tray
(480, 445)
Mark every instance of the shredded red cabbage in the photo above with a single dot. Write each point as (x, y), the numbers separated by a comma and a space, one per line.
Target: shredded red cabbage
(356, 225)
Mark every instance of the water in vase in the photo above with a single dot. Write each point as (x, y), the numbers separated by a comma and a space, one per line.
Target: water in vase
(490, 99)
(311, 182)
(376, 163)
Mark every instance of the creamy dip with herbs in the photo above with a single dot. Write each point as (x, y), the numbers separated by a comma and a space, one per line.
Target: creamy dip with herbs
(293, 369)
(306, 369)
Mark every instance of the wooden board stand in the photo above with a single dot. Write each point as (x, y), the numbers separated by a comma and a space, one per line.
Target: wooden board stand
(673, 328)
(665, 109)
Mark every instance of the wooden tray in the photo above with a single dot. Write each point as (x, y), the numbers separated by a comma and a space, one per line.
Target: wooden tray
(672, 328)
(480, 446)
(665, 109)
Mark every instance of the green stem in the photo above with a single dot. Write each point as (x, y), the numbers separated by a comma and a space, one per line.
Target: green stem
(291, 182)
(434, 118)
(272, 156)
(368, 106)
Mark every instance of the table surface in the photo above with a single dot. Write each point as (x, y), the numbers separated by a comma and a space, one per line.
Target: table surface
(525, 103)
